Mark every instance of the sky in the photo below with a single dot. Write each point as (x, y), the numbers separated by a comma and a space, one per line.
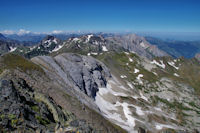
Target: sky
(100, 15)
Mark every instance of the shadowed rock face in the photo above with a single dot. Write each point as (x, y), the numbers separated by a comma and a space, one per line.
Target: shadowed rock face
(82, 72)
(19, 110)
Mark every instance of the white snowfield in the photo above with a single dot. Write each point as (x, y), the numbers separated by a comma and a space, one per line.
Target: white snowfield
(121, 112)
(171, 63)
(162, 65)
(104, 48)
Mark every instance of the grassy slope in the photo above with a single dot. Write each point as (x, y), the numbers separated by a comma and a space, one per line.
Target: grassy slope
(13, 61)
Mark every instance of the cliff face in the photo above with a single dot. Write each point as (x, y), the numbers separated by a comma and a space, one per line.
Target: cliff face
(81, 72)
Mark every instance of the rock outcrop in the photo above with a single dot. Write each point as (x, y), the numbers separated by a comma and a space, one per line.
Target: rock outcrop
(82, 72)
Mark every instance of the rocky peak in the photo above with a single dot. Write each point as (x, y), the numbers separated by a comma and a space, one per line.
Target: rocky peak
(89, 39)
(48, 40)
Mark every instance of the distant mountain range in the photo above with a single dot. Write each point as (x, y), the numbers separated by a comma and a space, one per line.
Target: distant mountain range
(146, 46)
(174, 48)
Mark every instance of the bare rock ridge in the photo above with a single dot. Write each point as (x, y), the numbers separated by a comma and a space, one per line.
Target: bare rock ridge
(96, 44)
(81, 72)
(20, 109)
(137, 44)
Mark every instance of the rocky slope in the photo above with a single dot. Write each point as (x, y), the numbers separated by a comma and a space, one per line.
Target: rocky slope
(40, 103)
(139, 95)
(161, 95)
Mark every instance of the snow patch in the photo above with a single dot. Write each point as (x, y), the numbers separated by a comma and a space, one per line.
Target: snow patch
(136, 70)
(171, 63)
(131, 60)
(130, 85)
(139, 78)
(76, 39)
(161, 126)
(31, 48)
(155, 73)
(162, 65)
(57, 48)
(139, 111)
(104, 48)
(123, 76)
(94, 53)
(143, 97)
(175, 74)
(126, 53)
(12, 49)
(88, 37)
(55, 41)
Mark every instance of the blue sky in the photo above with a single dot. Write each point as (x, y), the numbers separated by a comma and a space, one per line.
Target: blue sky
(101, 15)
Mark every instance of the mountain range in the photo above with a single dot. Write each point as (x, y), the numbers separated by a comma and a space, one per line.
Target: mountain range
(99, 83)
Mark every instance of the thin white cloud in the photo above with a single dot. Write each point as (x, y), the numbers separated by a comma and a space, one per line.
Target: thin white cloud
(57, 32)
(8, 32)
(23, 31)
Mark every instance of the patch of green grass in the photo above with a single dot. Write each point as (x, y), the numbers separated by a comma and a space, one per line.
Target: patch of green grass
(173, 105)
(14, 122)
(42, 121)
(12, 61)
(193, 105)
(11, 116)
(2, 116)
(35, 108)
